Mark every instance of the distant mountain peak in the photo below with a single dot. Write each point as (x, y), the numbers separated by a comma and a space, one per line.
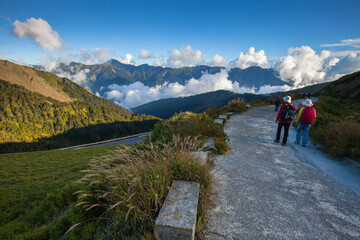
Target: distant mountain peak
(113, 62)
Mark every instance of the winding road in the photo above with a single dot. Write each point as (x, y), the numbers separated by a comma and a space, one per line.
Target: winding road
(263, 190)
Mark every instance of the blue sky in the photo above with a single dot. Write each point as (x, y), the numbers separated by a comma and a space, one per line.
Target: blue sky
(212, 27)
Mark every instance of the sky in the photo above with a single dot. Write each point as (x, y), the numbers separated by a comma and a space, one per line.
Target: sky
(306, 41)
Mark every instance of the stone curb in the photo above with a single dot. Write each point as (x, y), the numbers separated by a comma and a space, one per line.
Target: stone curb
(218, 121)
(177, 217)
(224, 116)
(202, 156)
(209, 145)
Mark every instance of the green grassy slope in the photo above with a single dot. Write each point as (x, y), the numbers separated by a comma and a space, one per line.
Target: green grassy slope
(347, 87)
(36, 189)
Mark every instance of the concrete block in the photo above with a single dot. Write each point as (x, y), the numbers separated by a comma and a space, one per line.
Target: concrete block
(248, 105)
(177, 217)
(218, 121)
(210, 142)
(223, 117)
(229, 113)
(202, 156)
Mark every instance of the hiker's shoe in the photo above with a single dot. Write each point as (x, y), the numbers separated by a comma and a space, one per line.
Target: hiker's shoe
(284, 144)
(277, 141)
(297, 142)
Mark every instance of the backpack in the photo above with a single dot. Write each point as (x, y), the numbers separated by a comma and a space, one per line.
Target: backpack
(277, 101)
(288, 112)
(308, 115)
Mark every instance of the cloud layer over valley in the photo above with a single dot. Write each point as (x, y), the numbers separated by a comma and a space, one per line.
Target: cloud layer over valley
(136, 94)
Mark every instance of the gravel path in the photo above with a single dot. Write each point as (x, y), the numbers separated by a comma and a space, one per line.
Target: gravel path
(266, 191)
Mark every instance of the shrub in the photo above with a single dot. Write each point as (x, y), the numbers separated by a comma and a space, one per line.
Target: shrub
(236, 105)
(183, 124)
(257, 103)
(340, 138)
(269, 101)
(221, 144)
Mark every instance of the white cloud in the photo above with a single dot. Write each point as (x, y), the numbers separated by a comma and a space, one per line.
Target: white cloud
(343, 53)
(302, 66)
(265, 89)
(94, 56)
(349, 64)
(85, 56)
(330, 62)
(184, 57)
(250, 58)
(354, 43)
(5, 18)
(38, 30)
(347, 42)
(127, 59)
(75, 74)
(145, 54)
(159, 62)
(80, 77)
(218, 61)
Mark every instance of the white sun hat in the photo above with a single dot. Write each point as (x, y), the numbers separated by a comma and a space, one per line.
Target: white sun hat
(287, 99)
(308, 103)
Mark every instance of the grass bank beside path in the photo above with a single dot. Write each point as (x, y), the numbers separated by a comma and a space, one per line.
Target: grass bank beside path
(337, 127)
(35, 187)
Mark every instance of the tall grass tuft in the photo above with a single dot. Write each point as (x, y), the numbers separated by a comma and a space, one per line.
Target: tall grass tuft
(128, 188)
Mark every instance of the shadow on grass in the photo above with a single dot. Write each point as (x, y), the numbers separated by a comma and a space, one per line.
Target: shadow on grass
(76, 136)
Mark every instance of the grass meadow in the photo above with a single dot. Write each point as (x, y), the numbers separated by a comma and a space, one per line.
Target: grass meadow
(36, 188)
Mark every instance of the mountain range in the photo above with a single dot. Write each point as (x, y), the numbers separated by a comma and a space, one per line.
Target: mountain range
(347, 87)
(99, 76)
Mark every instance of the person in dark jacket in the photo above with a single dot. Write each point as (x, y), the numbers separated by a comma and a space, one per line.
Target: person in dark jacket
(277, 103)
(283, 122)
(305, 118)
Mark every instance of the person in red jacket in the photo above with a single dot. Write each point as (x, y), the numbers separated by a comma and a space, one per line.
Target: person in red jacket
(277, 103)
(283, 120)
(305, 117)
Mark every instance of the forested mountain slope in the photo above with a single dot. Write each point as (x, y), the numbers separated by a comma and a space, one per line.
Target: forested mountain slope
(27, 116)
